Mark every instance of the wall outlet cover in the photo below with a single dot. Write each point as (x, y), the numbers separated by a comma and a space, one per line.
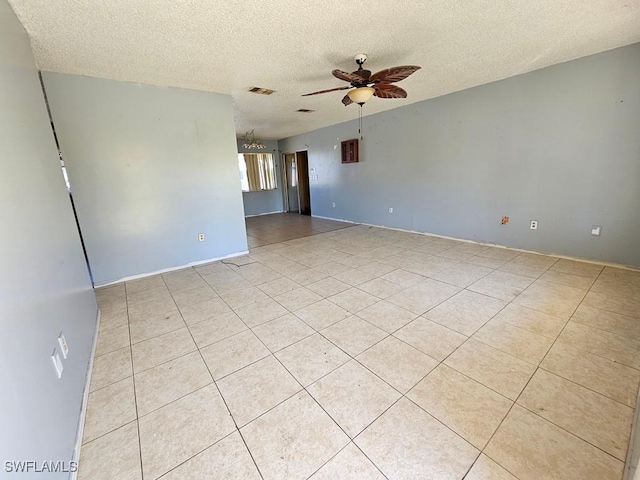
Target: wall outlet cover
(57, 363)
(201, 237)
(390, 209)
(534, 225)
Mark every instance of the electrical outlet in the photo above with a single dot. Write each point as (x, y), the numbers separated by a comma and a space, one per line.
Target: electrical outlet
(390, 209)
(534, 225)
(201, 237)
(333, 204)
(64, 348)
(596, 230)
(57, 363)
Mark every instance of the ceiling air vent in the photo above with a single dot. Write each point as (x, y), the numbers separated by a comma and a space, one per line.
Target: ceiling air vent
(305, 110)
(261, 91)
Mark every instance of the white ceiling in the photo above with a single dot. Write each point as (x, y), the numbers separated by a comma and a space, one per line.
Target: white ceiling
(291, 46)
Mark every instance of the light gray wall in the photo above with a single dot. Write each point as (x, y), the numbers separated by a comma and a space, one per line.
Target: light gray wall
(560, 145)
(256, 203)
(150, 168)
(44, 284)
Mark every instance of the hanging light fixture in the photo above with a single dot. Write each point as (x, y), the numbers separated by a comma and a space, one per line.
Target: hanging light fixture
(360, 95)
(251, 142)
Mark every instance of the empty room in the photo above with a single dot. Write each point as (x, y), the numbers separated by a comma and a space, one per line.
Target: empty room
(319, 240)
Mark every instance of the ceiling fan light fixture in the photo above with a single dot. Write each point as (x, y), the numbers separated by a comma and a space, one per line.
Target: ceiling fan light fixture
(251, 142)
(360, 95)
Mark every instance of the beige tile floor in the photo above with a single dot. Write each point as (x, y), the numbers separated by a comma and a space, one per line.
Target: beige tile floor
(366, 353)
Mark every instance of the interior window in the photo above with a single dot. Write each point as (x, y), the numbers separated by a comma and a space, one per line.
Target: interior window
(257, 172)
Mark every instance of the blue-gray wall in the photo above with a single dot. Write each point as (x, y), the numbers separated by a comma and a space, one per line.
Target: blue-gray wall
(150, 168)
(44, 284)
(559, 145)
(258, 203)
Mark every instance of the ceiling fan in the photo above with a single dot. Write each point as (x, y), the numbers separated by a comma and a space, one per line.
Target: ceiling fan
(364, 85)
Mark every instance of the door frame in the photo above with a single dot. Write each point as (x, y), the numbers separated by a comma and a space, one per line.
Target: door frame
(285, 179)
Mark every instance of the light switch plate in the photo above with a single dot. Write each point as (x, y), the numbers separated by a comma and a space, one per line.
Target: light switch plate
(596, 230)
(64, 347)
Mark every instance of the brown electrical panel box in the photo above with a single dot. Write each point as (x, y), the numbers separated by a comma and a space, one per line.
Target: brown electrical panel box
(350, 151)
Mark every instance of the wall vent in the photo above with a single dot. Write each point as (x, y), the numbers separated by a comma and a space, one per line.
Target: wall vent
(261, 91)
(304, 110)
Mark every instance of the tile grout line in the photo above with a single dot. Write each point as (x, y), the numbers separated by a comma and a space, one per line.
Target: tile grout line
(545, 419)
(237, 429)
(388, 334)
(133, 379)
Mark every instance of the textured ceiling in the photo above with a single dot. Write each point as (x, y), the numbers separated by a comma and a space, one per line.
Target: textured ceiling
(292, 46)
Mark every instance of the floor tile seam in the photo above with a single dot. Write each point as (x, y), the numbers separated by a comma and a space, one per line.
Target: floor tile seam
(196, 454)
(500, 349)
(184, 354)
(466, 286)
(110, 384)
(564, 429)
(111, 430)
(173, 330)
(598, 354)
(118, 349)
(520, 394)
(568, 318)
(145, 300)
(565, 326)
(614, 311)
(126, 424)
(176, 399)
(557, 374)
(235, 423)
(351, 442)
(344, 351)
(469, 377)
(273, 352)
(175, 308)
(434, 418)
(115, 349)
(422, 315)
(133, 380)
(225, 404)
(196, 302)
(379, 328)
(451, 429)
(497, 463)
(228, 306)
(293, 311)
(155, 314)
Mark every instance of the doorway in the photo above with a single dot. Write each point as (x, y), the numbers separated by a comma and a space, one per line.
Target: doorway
(296, 173)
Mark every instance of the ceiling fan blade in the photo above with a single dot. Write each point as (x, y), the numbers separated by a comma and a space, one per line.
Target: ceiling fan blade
(347, 76)
(386, 90)
(394, 74)
(346, 100)
(326, 91)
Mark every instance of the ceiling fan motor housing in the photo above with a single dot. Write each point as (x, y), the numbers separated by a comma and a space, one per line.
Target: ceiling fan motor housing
(360, 58)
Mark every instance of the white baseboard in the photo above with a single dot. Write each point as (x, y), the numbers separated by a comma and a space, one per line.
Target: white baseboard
(558, 255)
(85, 399)
(171, 269)
(265, 213)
